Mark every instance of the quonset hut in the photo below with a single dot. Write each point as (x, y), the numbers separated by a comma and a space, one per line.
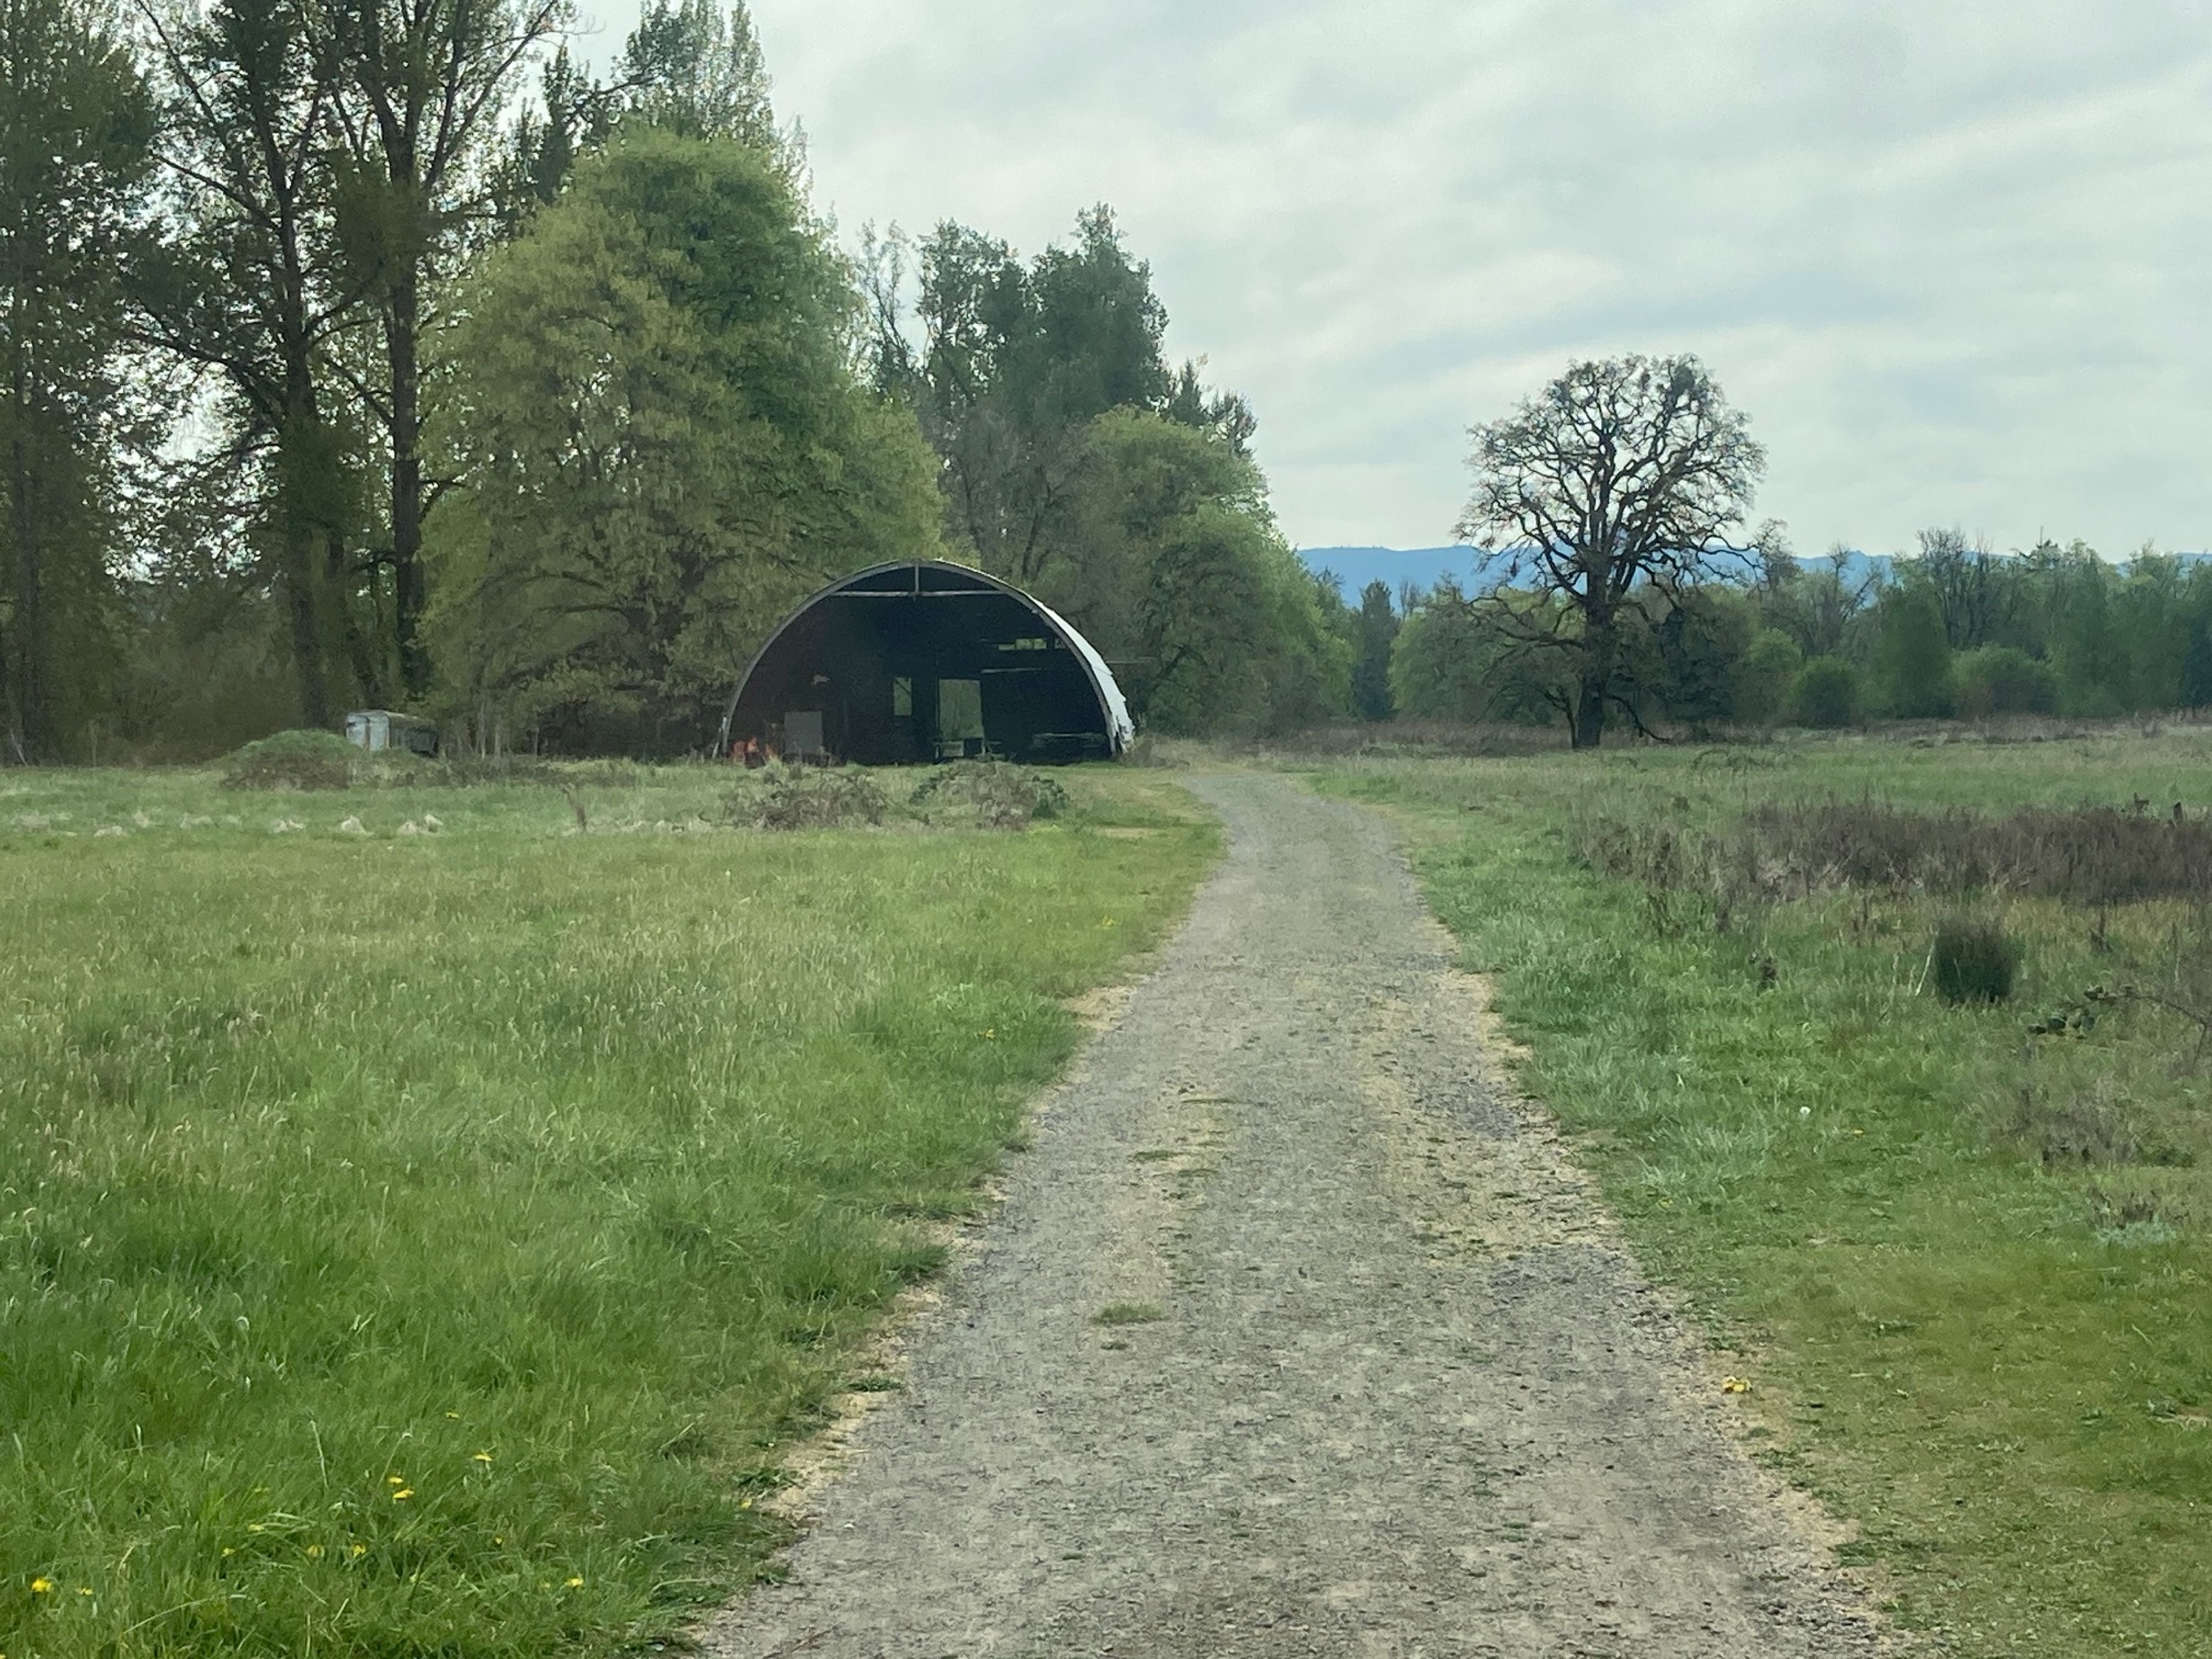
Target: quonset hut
(923, 661)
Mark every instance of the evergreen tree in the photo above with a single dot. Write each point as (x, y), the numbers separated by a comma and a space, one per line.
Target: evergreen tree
(2086, 646)
(1015, 362)
(1374, 631)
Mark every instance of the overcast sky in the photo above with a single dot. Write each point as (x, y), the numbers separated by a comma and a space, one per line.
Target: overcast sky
(1954, 257)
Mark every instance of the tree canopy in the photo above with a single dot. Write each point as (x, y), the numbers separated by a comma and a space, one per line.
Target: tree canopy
(654, 401)
(1624, 471)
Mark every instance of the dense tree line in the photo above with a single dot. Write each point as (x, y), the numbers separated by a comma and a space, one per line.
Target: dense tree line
(1077, 462)
(372, 352)
(1610, 516)
(1954, 629)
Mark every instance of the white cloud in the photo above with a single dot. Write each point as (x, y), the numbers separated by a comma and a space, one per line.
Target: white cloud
(1950, 255)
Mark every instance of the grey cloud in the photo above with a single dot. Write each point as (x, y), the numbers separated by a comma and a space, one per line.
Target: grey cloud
(1948, 255)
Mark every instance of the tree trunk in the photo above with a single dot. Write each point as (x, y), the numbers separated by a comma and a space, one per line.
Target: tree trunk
(1594, 680)
(300, 585)
(403, 341)
(1590, 714)
(300, 456)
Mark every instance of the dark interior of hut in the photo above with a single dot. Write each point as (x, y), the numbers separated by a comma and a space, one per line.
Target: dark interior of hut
(915, 665)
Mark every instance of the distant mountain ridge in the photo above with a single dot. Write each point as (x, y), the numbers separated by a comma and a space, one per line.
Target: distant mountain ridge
(1393, 567)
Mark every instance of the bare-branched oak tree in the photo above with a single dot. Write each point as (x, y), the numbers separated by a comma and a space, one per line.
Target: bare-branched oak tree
(1624, 473)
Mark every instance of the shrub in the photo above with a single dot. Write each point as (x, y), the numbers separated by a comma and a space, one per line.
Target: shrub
(1826, 694)
(2083, 854)
(1912, 658)
(2091, 1127)
(1770, 669)
(291, 760)
(1973, 962)
(1997, 679)
(999, 795)
(800, 798)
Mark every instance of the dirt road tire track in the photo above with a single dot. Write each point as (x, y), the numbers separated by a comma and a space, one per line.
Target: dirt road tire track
(1408, 1397)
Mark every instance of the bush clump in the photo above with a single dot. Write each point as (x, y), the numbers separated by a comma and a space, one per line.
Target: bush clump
(2094, 1126)
(2083, 854)
(1825, 695)
(1997, 679)
(1973, 962)
(994, 793)
(807, 797)
(291, 760)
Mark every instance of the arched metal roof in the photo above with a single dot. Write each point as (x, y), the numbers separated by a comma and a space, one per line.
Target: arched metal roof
(939, 579)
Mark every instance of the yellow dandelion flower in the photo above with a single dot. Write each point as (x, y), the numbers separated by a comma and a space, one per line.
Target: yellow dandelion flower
(456, 1416)
(402, 1494)
(42, 1587)
(226, 1550)
(499, 1538)
(576, 1584)
(358, 1550)
(481, 1457)
(395, 1480)
(1735, 1385)
(315, 1552)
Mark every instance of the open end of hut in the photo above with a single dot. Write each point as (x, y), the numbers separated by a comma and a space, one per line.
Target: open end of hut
(924, 661)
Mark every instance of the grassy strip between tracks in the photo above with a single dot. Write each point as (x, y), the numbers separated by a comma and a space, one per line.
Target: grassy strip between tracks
(1969, 1269)
(423, 1242)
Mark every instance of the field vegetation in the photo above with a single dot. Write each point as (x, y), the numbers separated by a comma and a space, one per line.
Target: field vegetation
(1963, 1243)
(427, 1208)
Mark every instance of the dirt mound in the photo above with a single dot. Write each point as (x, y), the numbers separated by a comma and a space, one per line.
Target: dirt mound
(994, 793)
(804, 798)
(291, 760)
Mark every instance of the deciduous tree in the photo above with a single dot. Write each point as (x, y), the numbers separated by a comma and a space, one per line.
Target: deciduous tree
(666, 445)
(76, 128)
(1622, 473)
(1014, 363)
(1175, 569)
(252, 284)
(420, 87)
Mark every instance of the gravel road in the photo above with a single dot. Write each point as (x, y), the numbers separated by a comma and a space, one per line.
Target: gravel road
(1404, 1394)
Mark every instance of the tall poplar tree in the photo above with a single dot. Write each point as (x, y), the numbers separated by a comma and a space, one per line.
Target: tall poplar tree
(420, 87)
(76, 124)
(253, 285)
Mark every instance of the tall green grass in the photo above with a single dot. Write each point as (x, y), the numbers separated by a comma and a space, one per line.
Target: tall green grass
(421, 1244)
(1981, 1333)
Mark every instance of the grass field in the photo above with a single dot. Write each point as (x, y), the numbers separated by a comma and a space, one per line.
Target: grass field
(1980, 1331)
(420, 1236)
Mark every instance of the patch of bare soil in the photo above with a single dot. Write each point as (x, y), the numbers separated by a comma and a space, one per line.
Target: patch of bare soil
(1375, 1375)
